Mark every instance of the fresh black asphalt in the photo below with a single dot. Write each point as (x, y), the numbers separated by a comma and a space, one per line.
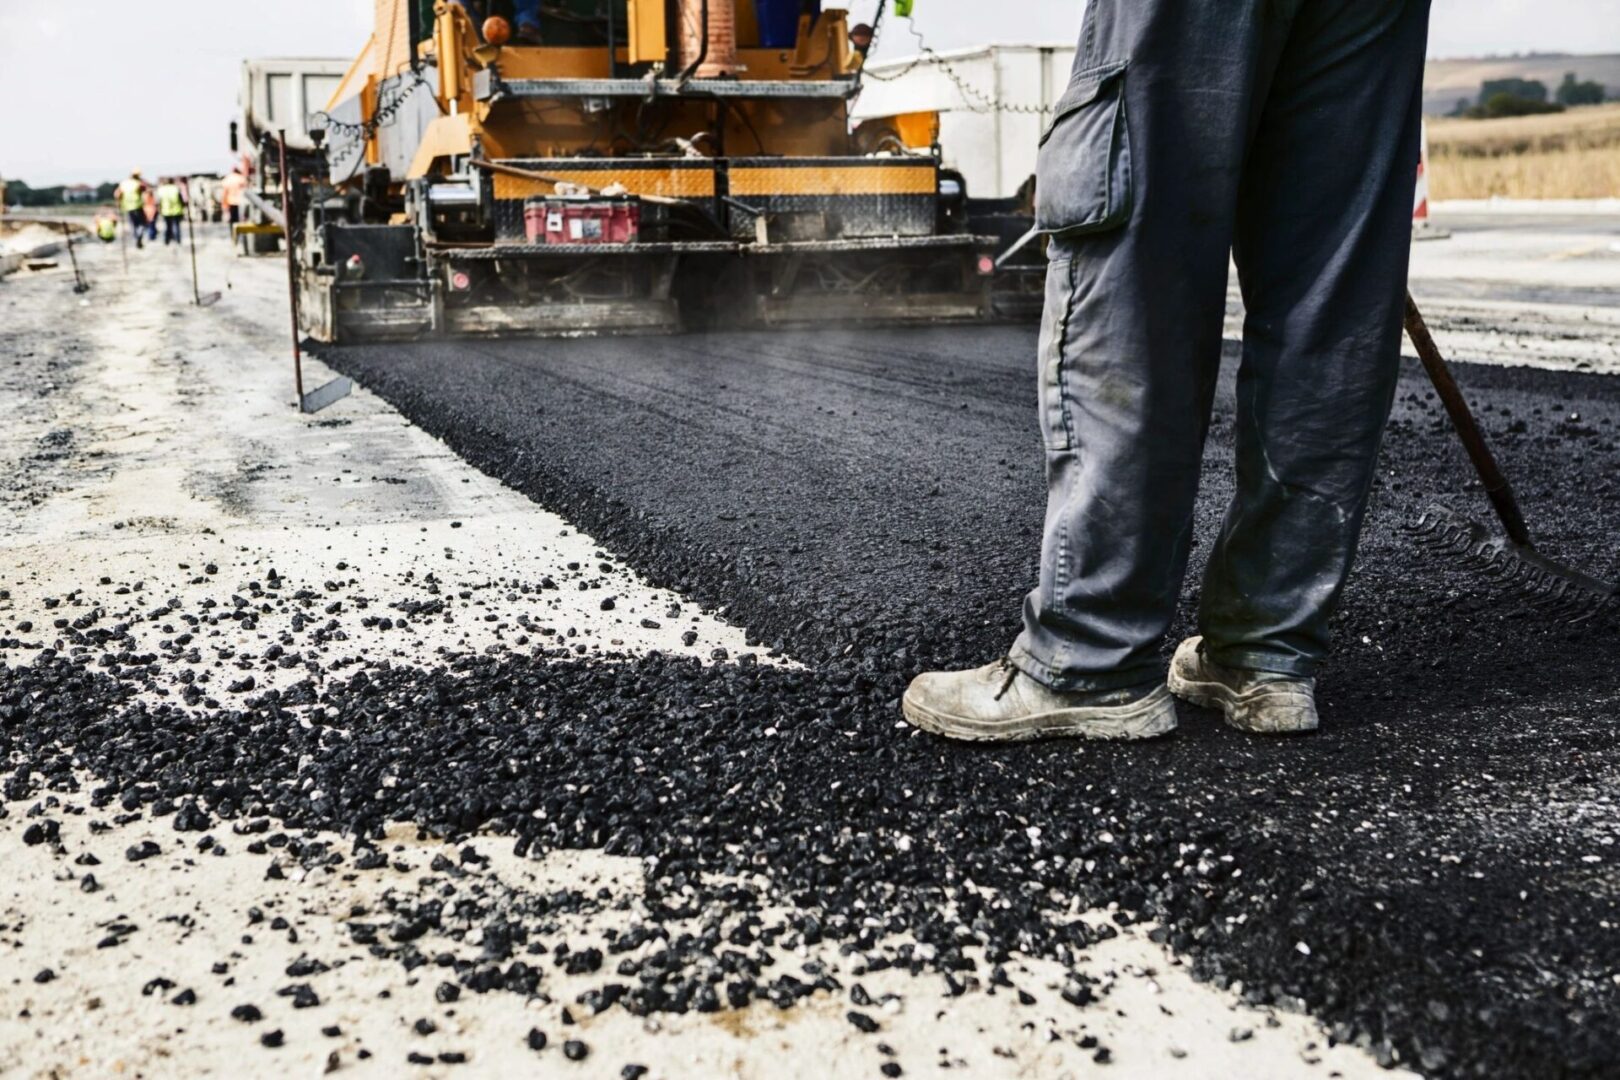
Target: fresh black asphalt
(1436, 875)
(1448, 850)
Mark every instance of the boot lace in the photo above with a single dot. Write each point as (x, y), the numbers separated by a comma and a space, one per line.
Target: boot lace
(1008, 673)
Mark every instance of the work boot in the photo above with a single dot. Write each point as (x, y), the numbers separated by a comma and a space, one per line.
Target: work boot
(527, 34)
(1262, 702)
(999, 703)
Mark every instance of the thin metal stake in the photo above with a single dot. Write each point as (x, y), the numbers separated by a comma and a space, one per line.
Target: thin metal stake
(191, 240)
(292, 263)
(80, 285)
(191, 237)
(338, 388)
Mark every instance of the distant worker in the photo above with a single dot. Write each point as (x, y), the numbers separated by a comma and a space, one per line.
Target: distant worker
(132, 201)
(149, 211)
(172, 205)
(107, 226)
(1281, 136)
(525, 17)
(230, 194)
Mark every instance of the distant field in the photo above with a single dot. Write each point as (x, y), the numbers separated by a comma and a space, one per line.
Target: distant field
(1569, 155)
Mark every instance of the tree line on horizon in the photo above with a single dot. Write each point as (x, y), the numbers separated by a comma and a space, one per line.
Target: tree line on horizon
(20, 193)
(1528, 97)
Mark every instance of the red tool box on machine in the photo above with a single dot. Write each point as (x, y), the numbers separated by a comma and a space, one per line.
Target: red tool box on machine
(582, 221)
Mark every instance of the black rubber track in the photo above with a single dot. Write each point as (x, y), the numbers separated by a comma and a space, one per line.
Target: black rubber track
(1446, 848)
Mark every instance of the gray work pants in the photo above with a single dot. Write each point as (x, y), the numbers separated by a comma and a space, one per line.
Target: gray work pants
(1286, 133)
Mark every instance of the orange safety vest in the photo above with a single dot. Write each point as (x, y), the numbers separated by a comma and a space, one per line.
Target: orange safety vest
(231, 189)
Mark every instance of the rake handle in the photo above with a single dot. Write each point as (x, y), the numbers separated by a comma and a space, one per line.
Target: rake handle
(1473, 440)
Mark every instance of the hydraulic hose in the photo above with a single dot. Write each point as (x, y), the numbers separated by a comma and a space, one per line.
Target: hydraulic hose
(703, 49)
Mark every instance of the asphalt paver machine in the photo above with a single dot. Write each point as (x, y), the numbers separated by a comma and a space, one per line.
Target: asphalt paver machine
(649, 165)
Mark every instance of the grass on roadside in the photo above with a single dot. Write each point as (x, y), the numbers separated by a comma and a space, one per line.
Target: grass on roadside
(1568, 155)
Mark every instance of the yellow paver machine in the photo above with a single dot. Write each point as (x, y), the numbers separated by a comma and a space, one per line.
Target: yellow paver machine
(649, 165)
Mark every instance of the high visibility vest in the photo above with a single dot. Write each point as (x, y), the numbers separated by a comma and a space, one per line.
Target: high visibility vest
(129, 195)
(107, 228)
(169, 201)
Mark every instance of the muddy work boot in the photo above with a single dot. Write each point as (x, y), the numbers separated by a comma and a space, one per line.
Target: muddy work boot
(999, 703)
(1259, 701)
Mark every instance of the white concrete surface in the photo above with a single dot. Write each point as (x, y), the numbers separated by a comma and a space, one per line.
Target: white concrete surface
(188, 453)
(1501, 204)
(1517, 289)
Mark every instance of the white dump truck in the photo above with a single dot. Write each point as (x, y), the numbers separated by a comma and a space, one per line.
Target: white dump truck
(986, 109)
(278, 94)
(993, 103)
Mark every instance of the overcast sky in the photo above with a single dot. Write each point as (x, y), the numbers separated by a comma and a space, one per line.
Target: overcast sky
(83, 98)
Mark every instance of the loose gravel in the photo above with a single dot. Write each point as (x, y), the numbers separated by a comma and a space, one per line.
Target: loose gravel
(1434, 875)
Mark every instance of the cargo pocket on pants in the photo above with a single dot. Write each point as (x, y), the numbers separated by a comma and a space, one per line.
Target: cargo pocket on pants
(1083, 168)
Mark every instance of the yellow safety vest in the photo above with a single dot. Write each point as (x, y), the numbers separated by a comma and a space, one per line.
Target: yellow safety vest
(129, 195)
(107, 228)
(169, 202)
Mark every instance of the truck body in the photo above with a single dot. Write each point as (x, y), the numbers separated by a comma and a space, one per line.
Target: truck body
(989, 107)
(993, 104)
(277, 95)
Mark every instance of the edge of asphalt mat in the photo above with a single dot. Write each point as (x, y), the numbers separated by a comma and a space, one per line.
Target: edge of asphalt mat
(186, 479)
(186, 960)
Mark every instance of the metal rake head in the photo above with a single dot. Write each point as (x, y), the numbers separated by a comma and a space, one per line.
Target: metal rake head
(1559, 590)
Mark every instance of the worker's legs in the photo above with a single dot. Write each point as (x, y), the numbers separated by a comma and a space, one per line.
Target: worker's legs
(475, 11)
(137, 226)
(1151, 154)
(1323, 235)
(526, 20)
(171, 230)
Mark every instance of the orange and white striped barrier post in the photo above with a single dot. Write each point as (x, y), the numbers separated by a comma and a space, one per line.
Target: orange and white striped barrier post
(1422, 227)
